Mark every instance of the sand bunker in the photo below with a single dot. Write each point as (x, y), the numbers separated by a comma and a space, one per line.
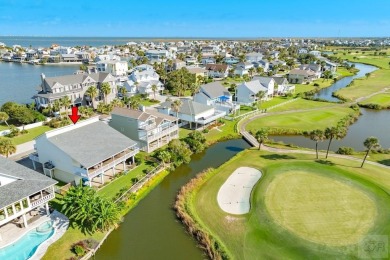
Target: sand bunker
(233, 196)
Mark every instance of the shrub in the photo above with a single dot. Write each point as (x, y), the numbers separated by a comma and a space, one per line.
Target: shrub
(345, 150)
(205, 130)
(316, 85)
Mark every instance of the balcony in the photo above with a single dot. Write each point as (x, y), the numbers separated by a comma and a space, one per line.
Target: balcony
(105, 165)
(165, 131)
(205, 120)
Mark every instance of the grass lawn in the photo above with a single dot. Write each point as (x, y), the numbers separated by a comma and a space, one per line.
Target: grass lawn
(3, 127)
(147, 102)
(301, 121)
(31, 135)
(302, 104)
(300, 208)
(299, 88)
(382, 99)
(273, 102)
(225, 131)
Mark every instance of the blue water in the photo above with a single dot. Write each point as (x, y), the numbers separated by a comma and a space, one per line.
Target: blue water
(18, 82)
(25, 247)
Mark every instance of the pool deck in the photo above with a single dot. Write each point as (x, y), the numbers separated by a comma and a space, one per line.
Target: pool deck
(10, 233)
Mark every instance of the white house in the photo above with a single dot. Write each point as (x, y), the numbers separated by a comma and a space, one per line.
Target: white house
(84, 151)
(159, 55)
(243, 68)
(191, 112)
(247, 91)
(114, 67)
(216, 95)
(217, 70)
(141, 81)
(253, 56)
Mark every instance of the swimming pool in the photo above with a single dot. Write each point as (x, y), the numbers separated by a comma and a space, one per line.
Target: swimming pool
(26, 246)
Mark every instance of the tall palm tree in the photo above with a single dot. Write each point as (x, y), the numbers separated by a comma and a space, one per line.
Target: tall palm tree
(7, 147)
(251, 70)
(4, 117)
(117, 103)
(122, 90)
(66, 103)
(154, 89)
(92, 92)
(331, 133)
(317, 136)
(106, 89)
(260, 95)
(134, 102)
(370, 143)
(176, 106)
(261, 136)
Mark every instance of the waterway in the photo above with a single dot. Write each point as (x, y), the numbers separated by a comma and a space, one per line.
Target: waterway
(19, 82)
(370, 123)
(151, 230)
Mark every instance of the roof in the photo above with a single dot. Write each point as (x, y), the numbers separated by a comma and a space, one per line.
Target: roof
(254, 86)
(263, 80)
(76, 78)
(301, 72)
(195, 70)
(141, 115)
(214, 90)
(280, 80)
(217, 67)
(91, 143)
(188, 107)
(28, 182)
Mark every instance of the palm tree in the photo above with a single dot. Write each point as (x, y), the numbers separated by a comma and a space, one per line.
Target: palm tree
(117, 103)
(4, 117)
(122, 90)
(176, 106)
(92, 92)
(7, 147)
(370, 143)
(260, 95)
(251, 70)
(56, 105)
(106, 89)
(134, 102)
(261, 136)
(66, 103)
(317, 136)
(331, 133)
(154, 89)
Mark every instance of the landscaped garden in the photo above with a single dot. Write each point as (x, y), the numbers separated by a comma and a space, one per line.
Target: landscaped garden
(300, 208)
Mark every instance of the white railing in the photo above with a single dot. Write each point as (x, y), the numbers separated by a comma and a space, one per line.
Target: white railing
(42, 200)
(153, 137)
(217, 114)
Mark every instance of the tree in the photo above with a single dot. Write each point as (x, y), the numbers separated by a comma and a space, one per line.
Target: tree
(261, 136)
(196, 141)
(176, 106)
(179, 151)
(7, 147)
(92, 92)
(317, 136)
(331, 133)
(251, 71)
(117, 103)
(370, 143)
(260, 95)
(179, 81)
(4, 117)
(367, 75)
(164, 156)
(154, 89)
(106, 89)
(122, 90)
(65, 102)
(327, 75)
(134, 102)
(24, 115)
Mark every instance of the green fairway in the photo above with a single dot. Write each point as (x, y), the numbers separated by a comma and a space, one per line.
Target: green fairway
(301, 104)
(301, 209)
(301, 121)
(382, 99)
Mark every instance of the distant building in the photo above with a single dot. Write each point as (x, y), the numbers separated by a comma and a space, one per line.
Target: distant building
(115, 68)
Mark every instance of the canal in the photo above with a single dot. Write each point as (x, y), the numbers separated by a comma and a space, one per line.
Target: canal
(151, 230)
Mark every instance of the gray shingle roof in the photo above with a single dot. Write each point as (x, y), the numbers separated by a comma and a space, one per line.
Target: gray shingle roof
(214, 90)
(28, 183)
(188, 107)
(92, 143)
(255, 86)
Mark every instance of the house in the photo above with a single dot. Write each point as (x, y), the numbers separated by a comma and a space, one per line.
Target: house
(150, 129)
(141, 81)
(216, 95)
(197, 71)
(82, 152)
(191, 112)
(178, 64)
(158, 55)
(247, 91)
(231, 60)
(217, 70)
(253, 56)
(114, 67)
(264, 64)
(316, 68)
(190, 60)
(21, 191)
(302, 51)
(74, 86)
(332, 67)
(315, 53)
(299, 76)
(208, 60)
(283, 87)
(243, 68)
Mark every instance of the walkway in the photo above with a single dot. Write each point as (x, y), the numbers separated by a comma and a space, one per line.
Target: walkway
(23, 150)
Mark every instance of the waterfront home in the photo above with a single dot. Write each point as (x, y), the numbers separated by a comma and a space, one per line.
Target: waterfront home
(216, 95)
(82, 152)
(192, 113)
(114, 67)
(149, 128)
(282, 86)
(74, 86)
(141, 81)
(316, 68)
(22, 192)
(217, 70)
(247, 91)
(299, 76)
(243, 68)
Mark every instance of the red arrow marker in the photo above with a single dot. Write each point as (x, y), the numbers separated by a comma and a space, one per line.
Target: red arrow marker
(74, 116)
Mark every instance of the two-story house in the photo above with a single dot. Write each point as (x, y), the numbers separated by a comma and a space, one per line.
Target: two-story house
(217, 70)
(141, 81)
(243, 68)
(114, 67)
(247, 91)
(216, 95)
(150, 129)
(82, 152)
(21, 191)
(74, 86)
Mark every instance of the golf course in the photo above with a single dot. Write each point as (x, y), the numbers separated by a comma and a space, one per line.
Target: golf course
(300, 208)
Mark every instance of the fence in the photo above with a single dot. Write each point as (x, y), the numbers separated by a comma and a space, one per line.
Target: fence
(26, 127)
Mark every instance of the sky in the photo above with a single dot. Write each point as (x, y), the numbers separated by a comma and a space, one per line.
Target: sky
(202, 18)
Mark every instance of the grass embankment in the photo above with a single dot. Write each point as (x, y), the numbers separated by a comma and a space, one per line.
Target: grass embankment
(301, 104)
(61, 249)
(298, 122)
(265, 233)
(378, 101)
